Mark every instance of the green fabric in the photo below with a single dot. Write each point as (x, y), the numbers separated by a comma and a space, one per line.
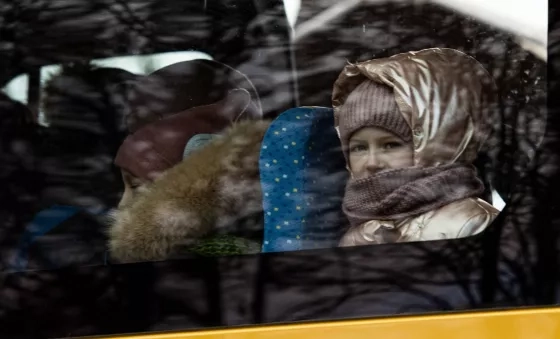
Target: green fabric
(224, 245)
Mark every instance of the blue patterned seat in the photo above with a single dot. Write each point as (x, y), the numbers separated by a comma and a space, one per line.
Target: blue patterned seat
(61, 236)
(303, 177)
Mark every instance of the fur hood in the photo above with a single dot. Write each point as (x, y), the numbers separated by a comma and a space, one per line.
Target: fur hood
(215, 190)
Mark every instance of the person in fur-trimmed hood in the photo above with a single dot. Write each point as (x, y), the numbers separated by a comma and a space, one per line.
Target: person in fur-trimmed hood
(148, 152)
(411, 126)
(186, 194)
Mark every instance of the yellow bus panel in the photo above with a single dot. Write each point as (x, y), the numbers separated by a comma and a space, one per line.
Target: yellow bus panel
(518, 324)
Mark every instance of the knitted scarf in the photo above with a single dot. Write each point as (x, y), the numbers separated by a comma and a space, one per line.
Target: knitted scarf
(401, 193)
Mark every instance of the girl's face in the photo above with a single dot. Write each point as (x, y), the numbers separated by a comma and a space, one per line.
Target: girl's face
(372, 149)
(131, 186)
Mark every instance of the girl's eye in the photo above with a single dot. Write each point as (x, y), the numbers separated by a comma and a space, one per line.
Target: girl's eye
(134, 186)
(358, 148)
(392, 145)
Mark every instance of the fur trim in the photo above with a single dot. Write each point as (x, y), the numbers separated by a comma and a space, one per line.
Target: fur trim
(213, 189)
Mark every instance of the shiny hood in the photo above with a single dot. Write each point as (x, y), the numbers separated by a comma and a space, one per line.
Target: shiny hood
(447, 98)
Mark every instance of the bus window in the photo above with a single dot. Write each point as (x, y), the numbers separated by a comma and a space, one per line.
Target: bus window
(187, 165)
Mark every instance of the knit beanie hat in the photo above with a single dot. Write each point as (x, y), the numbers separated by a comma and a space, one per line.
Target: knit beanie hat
(371, 104)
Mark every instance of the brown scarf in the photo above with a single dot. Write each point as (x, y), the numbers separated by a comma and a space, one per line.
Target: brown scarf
(401, 193)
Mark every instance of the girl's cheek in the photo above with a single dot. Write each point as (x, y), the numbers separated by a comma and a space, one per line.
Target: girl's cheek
(360, 167)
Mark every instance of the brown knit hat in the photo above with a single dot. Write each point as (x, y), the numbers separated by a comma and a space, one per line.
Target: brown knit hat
(371, 104)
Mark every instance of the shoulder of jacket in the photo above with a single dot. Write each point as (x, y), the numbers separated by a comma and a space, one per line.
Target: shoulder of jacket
(475, 214)
(469, 206)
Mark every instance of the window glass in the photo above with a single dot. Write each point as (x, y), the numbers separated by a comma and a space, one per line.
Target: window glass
(210, 155)
(17, 88)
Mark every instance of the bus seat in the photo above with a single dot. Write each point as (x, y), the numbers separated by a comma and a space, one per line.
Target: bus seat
(303, 176)
(61, 236)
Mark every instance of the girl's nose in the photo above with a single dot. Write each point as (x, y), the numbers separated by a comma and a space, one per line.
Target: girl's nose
(374, 162)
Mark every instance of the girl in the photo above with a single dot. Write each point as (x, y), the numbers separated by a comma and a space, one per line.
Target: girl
(411, 126)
